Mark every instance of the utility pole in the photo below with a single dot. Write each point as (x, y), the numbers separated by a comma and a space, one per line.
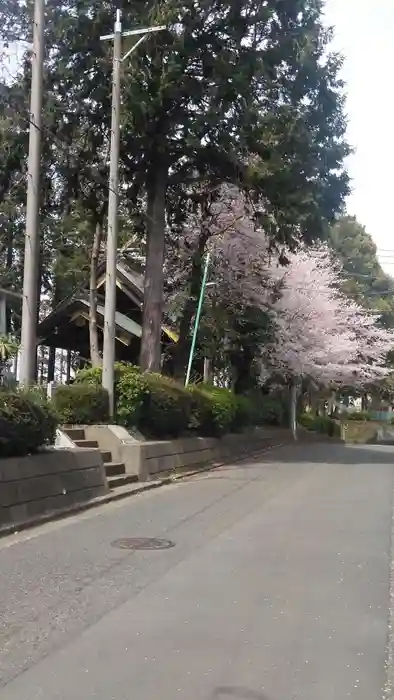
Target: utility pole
(28, 352)
(112, 231)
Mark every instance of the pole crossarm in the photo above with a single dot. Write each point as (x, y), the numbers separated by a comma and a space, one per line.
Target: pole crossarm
(133, 32)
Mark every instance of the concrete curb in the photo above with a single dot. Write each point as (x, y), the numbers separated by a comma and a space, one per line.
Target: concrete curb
(132, 490)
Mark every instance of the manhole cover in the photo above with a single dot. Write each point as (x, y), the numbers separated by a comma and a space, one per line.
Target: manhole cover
(142, 543)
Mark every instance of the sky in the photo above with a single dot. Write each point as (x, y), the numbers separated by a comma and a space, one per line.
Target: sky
(364, 34)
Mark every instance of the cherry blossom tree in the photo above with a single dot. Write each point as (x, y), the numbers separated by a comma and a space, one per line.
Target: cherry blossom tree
(319, 333)
(220, 220)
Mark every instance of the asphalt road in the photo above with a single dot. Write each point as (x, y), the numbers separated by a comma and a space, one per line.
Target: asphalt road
(277, 587)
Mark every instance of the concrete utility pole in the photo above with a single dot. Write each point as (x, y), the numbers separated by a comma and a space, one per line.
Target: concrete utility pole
(112, 231)
(28, 351)
(112, 234)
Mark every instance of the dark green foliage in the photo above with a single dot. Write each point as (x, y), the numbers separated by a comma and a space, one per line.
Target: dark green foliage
(131, 395)
(246, 92)
(26, 424)
(167, 409)
(245, 413)
(201, 410)
(93, 375)
(320, 424)
(308, 421)
(152, 403)
(365, 280)
(270, 410)
(81, 404)
(358, 416)
(161, 407)
(215, 409)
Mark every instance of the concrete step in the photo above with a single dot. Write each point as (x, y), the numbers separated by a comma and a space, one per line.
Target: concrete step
(107, 456)
(114, 468)
(122, 480)
(75, 433)
(86, 443)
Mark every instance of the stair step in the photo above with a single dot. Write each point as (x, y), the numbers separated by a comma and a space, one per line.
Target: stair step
(114, 481)
(107, 456)
(75, 433)
(86, 443)
(114, 468)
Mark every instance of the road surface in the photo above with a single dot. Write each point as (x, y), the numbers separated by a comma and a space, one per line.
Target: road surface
(276, 586)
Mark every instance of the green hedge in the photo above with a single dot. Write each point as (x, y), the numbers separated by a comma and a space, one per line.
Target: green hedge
(155, 405)
(93, 375)
(320, 424)
(358, 416)
(27, 422)
(213, 409)
(160, 407)
(167, 407)
(270, 410)
(245, 413)
(81, 404)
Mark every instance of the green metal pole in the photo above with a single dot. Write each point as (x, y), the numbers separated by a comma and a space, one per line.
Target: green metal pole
(197, 321)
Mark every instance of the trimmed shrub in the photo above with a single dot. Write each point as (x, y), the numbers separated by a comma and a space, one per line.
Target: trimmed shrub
(267, 409)
(320, 424)
(131, 396)
(93, 375)
(81, 404)
(167, 409)
(358, 416)
(245, 414)
(156, 405)
(160, 407)
(38, 396)
(214, 409)
(271, 411)
(25, 424)
(201, 415)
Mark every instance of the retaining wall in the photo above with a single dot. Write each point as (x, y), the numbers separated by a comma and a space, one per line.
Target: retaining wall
(149, 459)
(360, 432)
(49, 482)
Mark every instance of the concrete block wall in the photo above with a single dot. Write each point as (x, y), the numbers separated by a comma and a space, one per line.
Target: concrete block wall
(150, 459)
(49, 482)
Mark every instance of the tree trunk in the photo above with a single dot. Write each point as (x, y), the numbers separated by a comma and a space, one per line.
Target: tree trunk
(93, 330)
(51, 364)
(9, 265)
(42, 365)
(208, 373)
(68, 367)
(331, 403)
(293, 407)
(150, 354)
(241, 363)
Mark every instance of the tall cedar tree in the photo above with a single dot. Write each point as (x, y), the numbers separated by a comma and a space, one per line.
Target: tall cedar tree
(244, 92)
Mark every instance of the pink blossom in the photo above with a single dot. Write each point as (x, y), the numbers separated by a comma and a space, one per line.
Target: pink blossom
(320, 333)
